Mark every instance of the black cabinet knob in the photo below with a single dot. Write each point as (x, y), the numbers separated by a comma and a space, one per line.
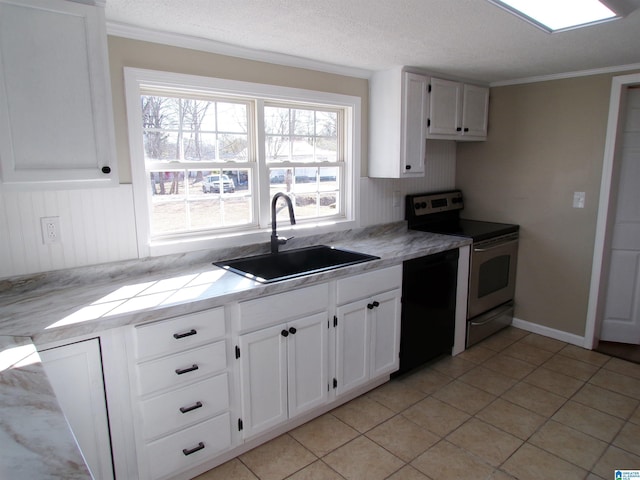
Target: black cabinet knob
(370, 306)
(466, 129)
(376, 303)
(459, 129)
(407, 167)
(106, 169)
(292, 330)
(284, 333)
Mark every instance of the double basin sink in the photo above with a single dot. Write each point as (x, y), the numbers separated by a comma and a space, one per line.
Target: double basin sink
(275, 267)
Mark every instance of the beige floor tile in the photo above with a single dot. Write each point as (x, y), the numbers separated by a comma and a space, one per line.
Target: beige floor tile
(554, 382)
(571, 367)
(509, 366)
(491, 444)
(324, 434)
(606, 401)
(543, 342)
(588, 420)
(426, 380)
(403, 438)
(232, 469)
(624, 367)
(396, 395)
(569, 444)
(453, 366)
(499, 475)
(477, 354)
(617, 382)
(436, 416)
(362, 459)
(464, 397)
(503, 339)
(511, 418)
(363, 413)
(278, 458)
(535, 399)
(528, 353)
(615, 459)
(533, 463)
(593, 476)
(488, 380)
(316, 471)
(408, 473)
(629, 439)
(584, 355)
(635, 417)
(445, 460)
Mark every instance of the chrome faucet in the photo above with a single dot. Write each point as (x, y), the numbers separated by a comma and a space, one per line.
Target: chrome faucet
(276, 241)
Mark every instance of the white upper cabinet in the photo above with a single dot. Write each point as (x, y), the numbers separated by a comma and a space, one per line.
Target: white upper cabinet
(397, 136)
(56, 119)
(457, 111)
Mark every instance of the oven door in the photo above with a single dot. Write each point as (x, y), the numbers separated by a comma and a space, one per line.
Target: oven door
(492, 279)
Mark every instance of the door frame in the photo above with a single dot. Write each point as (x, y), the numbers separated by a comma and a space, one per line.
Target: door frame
(606, 206)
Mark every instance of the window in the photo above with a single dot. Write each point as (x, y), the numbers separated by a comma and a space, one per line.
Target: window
(208, 155)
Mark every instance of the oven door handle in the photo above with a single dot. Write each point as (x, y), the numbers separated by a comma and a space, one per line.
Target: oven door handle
(497, 245)
(497, 313)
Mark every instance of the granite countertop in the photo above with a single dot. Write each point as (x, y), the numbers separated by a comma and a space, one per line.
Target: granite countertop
(60, 305)
(35, 436)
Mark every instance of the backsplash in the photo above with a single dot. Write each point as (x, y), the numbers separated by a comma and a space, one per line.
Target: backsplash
(98, 225)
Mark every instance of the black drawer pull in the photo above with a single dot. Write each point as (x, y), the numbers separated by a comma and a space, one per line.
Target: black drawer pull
(376, 303)
(195, 406)
(373, 305)
(193, 450)
(370, 306)
(284, 333)
(292, 330)
(187, 370)
(178, 336)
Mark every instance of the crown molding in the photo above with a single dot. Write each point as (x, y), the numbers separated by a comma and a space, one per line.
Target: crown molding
(212, 46)
(565, 75)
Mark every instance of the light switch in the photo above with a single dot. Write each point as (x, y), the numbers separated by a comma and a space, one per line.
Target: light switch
(578, 199)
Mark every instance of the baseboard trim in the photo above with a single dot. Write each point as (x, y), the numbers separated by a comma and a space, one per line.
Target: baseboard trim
(549, 332)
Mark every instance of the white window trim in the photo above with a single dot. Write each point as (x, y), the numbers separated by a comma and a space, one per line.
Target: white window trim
(134, 77)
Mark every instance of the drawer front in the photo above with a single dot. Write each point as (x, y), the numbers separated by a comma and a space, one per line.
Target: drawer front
(180, 333)
(189, 447)
(265, 311)
(181, 368)
(176, 409)
(367, 284)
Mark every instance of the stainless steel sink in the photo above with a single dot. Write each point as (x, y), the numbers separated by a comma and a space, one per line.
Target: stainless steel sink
(275, 267)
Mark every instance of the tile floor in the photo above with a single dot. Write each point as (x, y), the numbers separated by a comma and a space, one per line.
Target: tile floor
(518, 405)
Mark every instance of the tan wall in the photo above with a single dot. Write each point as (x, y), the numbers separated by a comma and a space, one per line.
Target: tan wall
(546, 141)
(131, 53)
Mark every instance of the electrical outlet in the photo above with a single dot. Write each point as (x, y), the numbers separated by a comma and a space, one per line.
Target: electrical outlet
(50, 229)
(578, 199)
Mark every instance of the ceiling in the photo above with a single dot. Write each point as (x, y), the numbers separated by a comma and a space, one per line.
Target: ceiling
(469, 39)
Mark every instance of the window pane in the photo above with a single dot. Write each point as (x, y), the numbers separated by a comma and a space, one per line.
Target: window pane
(276, 121)
(303, 122)
(190, 200)
(326, 149)
(234, 147)
(277, 148)
(232, 117)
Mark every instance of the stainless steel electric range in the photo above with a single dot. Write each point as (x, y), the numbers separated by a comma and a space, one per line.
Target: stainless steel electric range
(494, 258)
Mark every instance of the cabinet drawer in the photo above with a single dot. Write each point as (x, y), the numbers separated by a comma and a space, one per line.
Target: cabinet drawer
(279, 308)
(188, 447)
(367, 284)
(185, 406)
(181, 368)
(180, 333)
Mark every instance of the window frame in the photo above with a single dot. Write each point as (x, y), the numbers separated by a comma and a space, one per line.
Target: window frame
(137, 83)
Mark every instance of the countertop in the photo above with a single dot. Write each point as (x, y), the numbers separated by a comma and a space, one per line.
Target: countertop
(55, 306)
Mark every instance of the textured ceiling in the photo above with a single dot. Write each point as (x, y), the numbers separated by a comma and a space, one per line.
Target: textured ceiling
(470, 39)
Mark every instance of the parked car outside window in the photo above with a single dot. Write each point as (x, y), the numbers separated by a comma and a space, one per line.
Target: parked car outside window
(211, 184)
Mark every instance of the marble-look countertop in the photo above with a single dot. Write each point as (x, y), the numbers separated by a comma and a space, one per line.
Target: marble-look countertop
(66, 304)
(35, 437)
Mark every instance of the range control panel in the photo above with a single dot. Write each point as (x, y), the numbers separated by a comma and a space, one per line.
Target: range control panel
(425, 204)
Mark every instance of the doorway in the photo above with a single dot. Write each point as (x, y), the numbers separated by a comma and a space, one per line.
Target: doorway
(614, 301)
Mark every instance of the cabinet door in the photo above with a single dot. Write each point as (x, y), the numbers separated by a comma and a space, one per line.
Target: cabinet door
(385, 335)
(56, 123)
(75, 373)
(263, 373)
(445, 108)
(475, 111)
(414, 123)
(307, 359)
(353, 349)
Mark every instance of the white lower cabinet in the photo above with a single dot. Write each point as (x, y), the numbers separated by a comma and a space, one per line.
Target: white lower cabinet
(75, 373)
(367, 329)
(180, 393)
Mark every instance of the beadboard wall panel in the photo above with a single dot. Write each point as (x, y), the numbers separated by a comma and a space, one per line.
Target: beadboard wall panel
(96, 226)
(377, 195)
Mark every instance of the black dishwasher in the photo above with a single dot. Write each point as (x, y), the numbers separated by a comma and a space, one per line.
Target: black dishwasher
(428, 308)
